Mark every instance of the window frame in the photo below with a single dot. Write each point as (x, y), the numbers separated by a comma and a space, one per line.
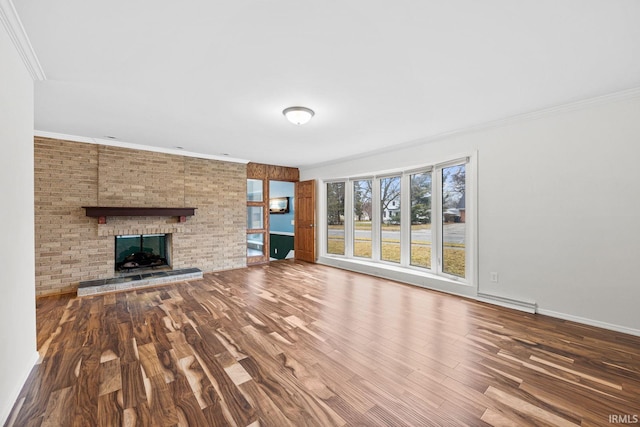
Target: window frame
(436, 269)
(378, 224)
(425, 170)
(326, 222)
(255, 259)
(439, 240)
(352, 235)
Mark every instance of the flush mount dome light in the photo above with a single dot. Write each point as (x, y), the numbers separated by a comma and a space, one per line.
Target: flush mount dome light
(298, 115)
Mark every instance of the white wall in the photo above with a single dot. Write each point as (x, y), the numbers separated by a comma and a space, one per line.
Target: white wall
(559, 206)
(17, 285)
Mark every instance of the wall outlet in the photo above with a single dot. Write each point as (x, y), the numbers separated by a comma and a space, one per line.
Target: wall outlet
(494, 276)
(275, 249)
(292, 222)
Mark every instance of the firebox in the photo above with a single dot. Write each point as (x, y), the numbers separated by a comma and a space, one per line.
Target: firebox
(138, 251)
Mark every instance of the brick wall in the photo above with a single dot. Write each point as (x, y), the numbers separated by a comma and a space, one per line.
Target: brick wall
(71, 247)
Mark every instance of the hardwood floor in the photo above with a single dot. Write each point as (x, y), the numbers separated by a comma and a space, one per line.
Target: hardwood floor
(299, 344)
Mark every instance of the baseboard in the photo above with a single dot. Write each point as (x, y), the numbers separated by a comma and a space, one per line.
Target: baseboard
(411, 278)
(526, 306)
(590, 322)
(5, 410)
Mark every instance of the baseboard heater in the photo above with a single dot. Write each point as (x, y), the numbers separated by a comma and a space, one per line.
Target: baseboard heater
(527, 306)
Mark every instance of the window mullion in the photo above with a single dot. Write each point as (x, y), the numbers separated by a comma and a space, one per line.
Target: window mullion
(348, 219)
(436, 222)
(375, 220)
(405, 220)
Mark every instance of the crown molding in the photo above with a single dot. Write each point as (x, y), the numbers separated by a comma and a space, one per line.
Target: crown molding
(518, 118)
(122, 144)
(13, 24)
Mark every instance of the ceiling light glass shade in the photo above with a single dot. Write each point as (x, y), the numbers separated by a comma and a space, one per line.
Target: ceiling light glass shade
(298, 115)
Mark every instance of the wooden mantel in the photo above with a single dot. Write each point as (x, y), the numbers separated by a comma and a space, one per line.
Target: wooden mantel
(102, 212)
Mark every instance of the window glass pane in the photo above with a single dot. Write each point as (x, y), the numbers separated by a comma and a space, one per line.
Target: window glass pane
(390, 219)
(255, 244)
(254, 190)
(453, 220)
(362, 218)
(421, 219)
(254, 217)
(335, 218)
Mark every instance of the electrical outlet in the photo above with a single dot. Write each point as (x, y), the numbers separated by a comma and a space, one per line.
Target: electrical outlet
(494, 276)
(276, 249)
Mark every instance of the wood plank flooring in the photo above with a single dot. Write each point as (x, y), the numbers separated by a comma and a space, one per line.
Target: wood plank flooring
(298, 344)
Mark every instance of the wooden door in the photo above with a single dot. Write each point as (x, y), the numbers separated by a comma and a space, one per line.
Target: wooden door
(305, 221)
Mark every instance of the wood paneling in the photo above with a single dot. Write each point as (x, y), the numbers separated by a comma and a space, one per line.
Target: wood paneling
(294, 343)
(267, 173)
(272, 172)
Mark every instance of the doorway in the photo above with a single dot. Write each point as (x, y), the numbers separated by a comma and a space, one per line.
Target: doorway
(281, 220)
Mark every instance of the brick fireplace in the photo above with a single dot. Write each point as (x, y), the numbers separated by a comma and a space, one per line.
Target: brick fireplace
(72, 247)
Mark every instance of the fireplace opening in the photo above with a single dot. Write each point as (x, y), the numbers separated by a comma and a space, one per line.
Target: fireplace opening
(134, 252)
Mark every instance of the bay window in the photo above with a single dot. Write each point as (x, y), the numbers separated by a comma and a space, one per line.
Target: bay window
(414, 219)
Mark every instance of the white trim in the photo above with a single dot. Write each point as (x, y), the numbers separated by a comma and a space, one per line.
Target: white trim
(398, 273)
(15, 29)
(533, 115)
(376, 220)
(349, 228)
(424, 169)
(469, 161)
(13, 397)
(442, 284)
(521, 305)
(454, 162)
(436, 223)
(405, 220)
(122, 144)
(410, 170)
(590, 322)
(360, 178)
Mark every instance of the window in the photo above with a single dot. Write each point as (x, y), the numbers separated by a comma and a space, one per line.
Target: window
(255, 219)
(421, 219)
(255, 244)
(453, 220)
(362, 210)
(416, 219)
(335, 218)
(390, 219)
(254, 190)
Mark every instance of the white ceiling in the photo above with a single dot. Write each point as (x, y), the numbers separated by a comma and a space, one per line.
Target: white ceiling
(213, 77)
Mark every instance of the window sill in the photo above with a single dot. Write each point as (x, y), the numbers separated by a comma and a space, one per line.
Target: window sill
(403, 274)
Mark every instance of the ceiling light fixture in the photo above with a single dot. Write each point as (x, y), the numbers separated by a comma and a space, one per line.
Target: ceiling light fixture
(298, 115)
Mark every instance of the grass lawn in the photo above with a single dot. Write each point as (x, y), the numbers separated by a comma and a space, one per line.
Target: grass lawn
(454, 254)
